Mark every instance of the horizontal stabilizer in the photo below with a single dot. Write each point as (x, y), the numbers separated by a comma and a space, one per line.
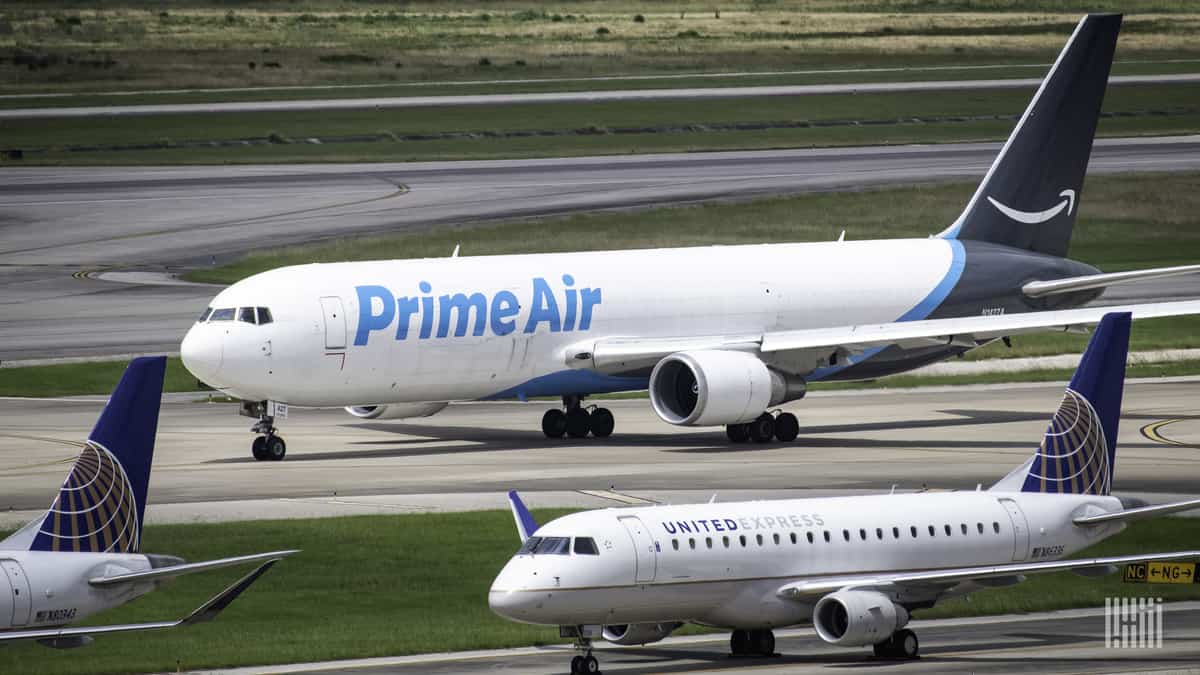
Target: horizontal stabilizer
(186, 568)
(1037, 289)
(1138, 513)
(66, 637)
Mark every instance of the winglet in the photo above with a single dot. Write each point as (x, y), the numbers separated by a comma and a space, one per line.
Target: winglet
(526, 525)
(209, 610)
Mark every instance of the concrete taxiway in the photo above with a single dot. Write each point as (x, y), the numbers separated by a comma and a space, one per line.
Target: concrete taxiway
(64, 226)
(1072, 641)
(467, 456)
(690, 93)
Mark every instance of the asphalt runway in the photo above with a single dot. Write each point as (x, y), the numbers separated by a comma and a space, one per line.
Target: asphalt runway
(469, 455)
(1053, 642)
(62, 227)
(691, 93)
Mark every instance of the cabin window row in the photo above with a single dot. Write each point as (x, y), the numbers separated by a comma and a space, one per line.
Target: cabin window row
(863, 535)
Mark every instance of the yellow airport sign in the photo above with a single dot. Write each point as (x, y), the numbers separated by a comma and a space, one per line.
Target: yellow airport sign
(1160, 573)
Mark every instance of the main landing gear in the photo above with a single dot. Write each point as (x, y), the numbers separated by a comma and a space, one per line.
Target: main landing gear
(269, 446)
(903, 644)
(759, 642)
(577, 421)
(783, 427)
(584, 663)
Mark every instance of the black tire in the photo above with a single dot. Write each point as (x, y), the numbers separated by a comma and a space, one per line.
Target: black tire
(274, 448)
(739, 642)
(602, 423)
(554, 423)
(577, 665)
(787, 427)
(906, 644)
(882, 649)
(762, 429)
(764, 642)
(259, 448)
(579, 423)
(737, 433)
(590, 665)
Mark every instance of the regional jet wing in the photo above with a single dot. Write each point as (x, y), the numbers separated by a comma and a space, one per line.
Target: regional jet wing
(186, 568)
(818, 586)
(70, 637)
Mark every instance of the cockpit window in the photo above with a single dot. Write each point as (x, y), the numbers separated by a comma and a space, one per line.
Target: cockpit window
(553, 546)
(204, 314)
(264, 316)
(223, 314)
(247, 314)
(586, 546)
(530, 544)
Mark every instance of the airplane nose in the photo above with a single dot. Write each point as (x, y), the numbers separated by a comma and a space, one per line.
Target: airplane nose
(509, 604)
(201, 352)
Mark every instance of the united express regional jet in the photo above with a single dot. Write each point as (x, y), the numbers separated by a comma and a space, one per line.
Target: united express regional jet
(82, 557)
(854, 567)
(719, 335)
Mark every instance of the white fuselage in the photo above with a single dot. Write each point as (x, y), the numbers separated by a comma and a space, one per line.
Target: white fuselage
(724, 564)
(42, 589)
(500, 326)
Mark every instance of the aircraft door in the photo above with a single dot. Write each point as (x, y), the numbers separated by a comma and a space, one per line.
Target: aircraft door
(18, 584)
(335, 323)
(643, 544)
(1020, 529)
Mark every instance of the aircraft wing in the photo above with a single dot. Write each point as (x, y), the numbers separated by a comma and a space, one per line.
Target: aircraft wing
(186, 568)
(70, 637)
(617, 354)
(818, 586)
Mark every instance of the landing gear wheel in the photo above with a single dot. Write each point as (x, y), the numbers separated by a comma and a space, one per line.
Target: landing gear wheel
(577, 665)
(787, 427)
(579, 423)
(554, 423)
(738, 433)
(739, 643)
(274, 448)
(259, 448)
(906, 644)
(762, 642)
(590, 665)
(602, 423)
(762, 429)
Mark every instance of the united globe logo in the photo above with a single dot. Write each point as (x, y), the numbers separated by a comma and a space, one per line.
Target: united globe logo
(95, 511)
(1073, 457)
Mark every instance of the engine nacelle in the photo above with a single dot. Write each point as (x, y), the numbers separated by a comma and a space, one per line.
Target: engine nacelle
(638, 633)
(856, 618)
(713, 386)
(395, 411)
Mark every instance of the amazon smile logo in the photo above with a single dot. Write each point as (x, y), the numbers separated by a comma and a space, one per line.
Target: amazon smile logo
(1033, 218)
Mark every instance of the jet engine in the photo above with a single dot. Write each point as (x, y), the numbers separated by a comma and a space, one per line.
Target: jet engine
(638, 633)
(856, 618)
(711, 387)
(395, 411)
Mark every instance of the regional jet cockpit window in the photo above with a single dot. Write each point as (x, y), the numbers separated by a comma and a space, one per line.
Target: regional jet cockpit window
(586, 546)
(247, 314)
(223, 314)
(264, 316)
(547, 546)
(204, 315)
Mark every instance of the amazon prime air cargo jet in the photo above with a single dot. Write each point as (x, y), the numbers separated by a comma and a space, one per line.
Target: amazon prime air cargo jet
(720, 335)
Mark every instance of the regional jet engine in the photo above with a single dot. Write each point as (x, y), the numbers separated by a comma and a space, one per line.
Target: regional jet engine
(711, 387)
(638, 633)
(856, 618)
(395, 411)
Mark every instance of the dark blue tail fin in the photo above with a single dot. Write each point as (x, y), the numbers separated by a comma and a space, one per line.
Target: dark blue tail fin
(1078, 451)
(101, 503)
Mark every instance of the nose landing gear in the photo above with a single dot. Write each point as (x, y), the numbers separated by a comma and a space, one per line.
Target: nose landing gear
(269, 446)
(584, 663)
(576, 421)
(760, 642)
